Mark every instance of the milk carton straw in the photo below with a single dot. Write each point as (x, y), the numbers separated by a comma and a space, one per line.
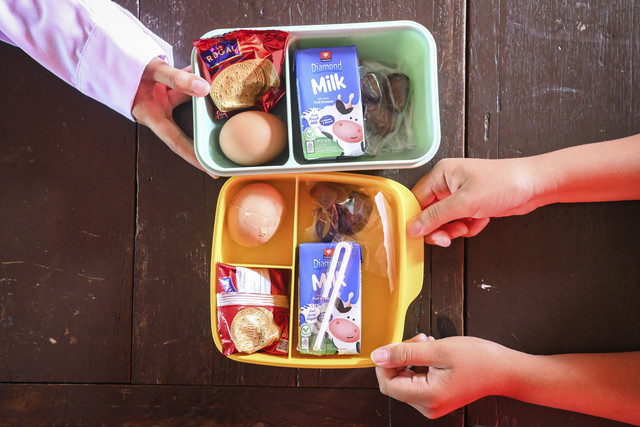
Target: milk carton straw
(334, 282)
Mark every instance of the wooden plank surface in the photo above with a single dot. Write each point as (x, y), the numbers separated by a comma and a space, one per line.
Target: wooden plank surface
(543, 76)
(66, 209)
(135, 405)
(104, 259)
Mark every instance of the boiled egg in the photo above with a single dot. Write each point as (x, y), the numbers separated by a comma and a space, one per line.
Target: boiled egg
(253, 138)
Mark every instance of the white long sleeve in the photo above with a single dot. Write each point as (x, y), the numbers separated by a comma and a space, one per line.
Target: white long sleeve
(94, 45)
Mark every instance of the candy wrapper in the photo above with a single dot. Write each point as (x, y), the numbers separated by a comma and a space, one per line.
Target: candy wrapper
(244, 68)
(253, 309)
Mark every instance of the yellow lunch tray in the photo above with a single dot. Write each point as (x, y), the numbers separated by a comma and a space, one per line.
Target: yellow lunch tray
(383, 311)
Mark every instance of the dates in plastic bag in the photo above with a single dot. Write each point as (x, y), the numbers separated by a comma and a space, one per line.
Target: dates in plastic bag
(386, 96)
(341, 211)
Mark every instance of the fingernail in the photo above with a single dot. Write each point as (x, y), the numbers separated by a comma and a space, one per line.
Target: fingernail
(421, 337)
(200, 87)
(414, 228)
(430, 338)
(441, 241)
(380, 355)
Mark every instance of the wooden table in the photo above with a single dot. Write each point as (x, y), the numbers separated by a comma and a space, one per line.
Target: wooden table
(106, 235)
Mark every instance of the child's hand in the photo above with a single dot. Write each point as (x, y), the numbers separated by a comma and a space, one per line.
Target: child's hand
(445, 375)
(162, 88)
(458, 196)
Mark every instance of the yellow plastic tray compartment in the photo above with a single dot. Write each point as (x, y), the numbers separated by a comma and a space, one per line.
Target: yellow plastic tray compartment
(383, 312)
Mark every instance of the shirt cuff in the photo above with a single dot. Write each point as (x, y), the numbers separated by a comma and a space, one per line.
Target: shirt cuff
(114, 58)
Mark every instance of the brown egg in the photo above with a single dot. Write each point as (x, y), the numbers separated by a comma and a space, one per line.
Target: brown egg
(253, 138)
(254, 215)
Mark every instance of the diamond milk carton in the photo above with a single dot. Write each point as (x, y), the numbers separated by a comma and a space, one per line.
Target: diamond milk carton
(330, 298)
(330, 104)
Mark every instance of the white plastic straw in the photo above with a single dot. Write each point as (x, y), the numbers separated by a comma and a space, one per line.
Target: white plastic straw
(334, 280)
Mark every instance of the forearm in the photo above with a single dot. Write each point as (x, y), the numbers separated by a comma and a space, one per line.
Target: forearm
(605, 385)
(605, 171)
(96, 46)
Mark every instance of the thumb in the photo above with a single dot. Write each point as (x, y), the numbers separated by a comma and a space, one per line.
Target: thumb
(436, 215)
(179, 80)
(404, 354)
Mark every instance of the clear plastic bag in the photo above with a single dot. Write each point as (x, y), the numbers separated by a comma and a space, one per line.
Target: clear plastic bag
(387, 101)
(347, 213)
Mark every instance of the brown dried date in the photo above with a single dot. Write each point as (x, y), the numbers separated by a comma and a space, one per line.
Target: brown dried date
(340, 212)
(384, 97)
(399, 90)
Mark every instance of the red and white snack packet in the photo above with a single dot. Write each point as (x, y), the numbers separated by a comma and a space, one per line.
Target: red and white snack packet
(244, 68)
(253, 309)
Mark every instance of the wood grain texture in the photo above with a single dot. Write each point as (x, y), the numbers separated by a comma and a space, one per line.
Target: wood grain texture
(543, 76)
(66, 209)
(108, 405)
(105, 253)
(505, 412)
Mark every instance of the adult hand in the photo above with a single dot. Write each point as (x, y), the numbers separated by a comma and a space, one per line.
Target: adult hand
(458, 196)
(162, 88)
(439, 376)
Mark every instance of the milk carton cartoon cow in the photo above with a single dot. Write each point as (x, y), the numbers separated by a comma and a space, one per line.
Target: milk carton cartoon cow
(336, 123)
(339, 124)
(344, 326)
